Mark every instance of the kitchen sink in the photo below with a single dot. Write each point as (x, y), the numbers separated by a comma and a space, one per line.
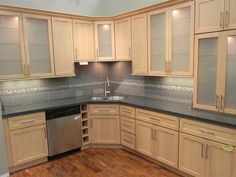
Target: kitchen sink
(109, 98)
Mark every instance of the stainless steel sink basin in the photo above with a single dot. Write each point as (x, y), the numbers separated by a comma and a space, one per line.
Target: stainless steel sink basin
(109, 98)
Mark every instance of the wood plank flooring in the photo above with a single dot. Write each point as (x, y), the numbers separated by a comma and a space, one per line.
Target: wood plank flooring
(97, 163)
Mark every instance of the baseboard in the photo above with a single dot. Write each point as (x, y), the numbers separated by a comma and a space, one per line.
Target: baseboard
(5, 175)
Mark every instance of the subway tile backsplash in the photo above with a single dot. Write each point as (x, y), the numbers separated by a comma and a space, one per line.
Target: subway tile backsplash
(90, 81)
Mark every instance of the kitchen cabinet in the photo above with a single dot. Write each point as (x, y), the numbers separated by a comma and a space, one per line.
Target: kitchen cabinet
(206, 150)
(83, 37)
(104, 123)
(105, 41)
(167, 29)
(139, 44)
(215, 15)
(26, 140)
(63, 46)
(214, 73)
(38, 46)
(12, 58)
(123, 39)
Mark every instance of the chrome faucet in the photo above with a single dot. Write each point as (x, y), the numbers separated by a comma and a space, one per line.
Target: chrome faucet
(107, 87)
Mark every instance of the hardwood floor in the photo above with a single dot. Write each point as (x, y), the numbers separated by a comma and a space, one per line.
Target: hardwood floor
(97, 163)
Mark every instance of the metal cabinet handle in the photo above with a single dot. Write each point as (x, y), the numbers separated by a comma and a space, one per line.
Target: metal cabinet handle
(207, 148)
(222, 103)
(127, 141)
(130, 53)
(91, 123)
(45, 133)
(155, 134)
(207, 132)
(169, 67)
(166, 66)
(76, 54)
(27, 121)
(28, 68)
(227, 18)
(221, 19)
(23, 69)
(97, 53)
(152, 134)
(217, 102)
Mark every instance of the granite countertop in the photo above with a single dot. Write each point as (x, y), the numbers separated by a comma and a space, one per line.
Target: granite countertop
(178, 109)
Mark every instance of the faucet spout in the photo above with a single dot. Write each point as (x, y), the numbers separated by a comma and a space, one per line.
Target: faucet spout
(106, 86)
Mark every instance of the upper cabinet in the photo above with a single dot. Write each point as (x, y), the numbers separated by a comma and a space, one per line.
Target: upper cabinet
(38, 46)
(168, 28)
(105, 41)
(12, 58)
(215, 72)
(83, 40)
(139, 44)
(123, 39)
(63, 46)
(215, 15)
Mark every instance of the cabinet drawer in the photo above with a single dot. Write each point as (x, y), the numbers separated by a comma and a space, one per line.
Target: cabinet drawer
(27, 120)
(127, 111)
(128, 140)
(128, 125)
(209, 131)
(104, 109)
(155, 118)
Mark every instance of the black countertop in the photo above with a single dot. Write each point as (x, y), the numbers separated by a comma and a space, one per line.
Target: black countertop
(178, 109)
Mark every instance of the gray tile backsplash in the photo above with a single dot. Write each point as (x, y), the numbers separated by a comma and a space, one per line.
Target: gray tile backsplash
(90, 80)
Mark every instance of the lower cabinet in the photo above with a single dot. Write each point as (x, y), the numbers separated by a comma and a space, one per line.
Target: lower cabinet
(205, 158)
(128, 140)
(28, 144)
(157, 142)
(105, 129)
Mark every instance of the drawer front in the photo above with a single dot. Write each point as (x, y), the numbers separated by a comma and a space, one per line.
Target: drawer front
(155, 118)
(27, 120)
(209, 131)
(128, 125)
(104, 109)
(128, 140)
(127, 111)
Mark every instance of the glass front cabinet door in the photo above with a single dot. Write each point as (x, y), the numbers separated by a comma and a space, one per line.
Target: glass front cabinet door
(38, 46)
(104, 41)
(11, 46)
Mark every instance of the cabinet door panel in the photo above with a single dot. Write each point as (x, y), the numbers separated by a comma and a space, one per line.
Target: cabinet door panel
(39, 51)
(206, 71)
(166, 146)
(182, 32)
(63, 46)
(139, 44)
(105, 129)
(28, 144)
(84, 40)
(191, 155)
(12, 56)
(230, 14)
(157, 42)
(123, 39)
(220, 163)
(144, 138)
(209, 15)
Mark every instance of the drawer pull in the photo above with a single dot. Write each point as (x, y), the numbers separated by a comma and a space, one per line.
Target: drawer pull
(128, 126)
(27, 121)
(207, 132)
(126, 111)
(207, 148)
(127, 141)
(203, 147)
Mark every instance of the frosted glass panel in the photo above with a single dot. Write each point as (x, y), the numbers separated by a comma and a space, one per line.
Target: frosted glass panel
(158, 42)
(230, 97)
(181, 30)
(10, 47)
(38, 43)
(207, 69)
(105, 40)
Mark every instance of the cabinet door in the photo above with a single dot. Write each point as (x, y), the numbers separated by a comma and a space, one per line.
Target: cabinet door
(104, 129)
(38, 45)
(207, 58)
(145, 138)
(139, 44)
(28, 144)
(166, 146)
(182, 32)
(230, 14)
(63, 46)
(228, 96)
(220, 162)
(209, 16)
(191, 155)
(83, 40)
(123, 39)
(12, 58)
(158, 43)
(104, 40)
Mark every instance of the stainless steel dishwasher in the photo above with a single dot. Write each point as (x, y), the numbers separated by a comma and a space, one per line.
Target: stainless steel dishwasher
(64, 129)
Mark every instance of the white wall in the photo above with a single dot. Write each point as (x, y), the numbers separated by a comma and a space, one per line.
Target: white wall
(83, 7)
